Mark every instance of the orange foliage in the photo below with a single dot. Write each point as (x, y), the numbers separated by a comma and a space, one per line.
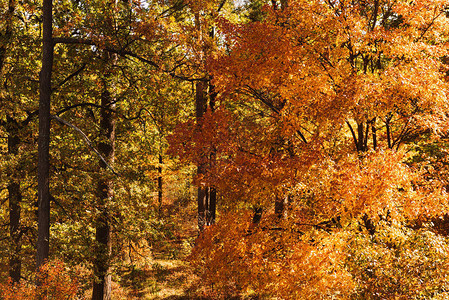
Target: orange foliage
(55, 283)
(282, 261)
(323, 104)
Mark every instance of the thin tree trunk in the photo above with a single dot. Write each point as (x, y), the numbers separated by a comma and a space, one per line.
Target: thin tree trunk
(257, 216)
(212, 204)
(15, 262)
(43, 239)
(102, 282)
(360, 137)
(14, 197)
(14, 193)
(200, 107)
(387, 124)
(8, 32)
(201, 199)
(207, 196)
(159, 183)
(279, 206)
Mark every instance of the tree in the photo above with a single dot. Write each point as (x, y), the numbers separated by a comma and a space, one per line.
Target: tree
(116, 29)
(43, 240)
(19, 58)
(320, 103)
(14, 194)
(102, 278)
(203, 46)
(138, 38)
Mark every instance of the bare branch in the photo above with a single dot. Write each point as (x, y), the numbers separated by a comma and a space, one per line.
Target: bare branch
(125, 53)
(69, 77)
(221, 5)
(62, 121)
(82, 105)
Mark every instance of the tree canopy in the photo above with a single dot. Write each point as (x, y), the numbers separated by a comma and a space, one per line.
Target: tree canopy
(275, 149)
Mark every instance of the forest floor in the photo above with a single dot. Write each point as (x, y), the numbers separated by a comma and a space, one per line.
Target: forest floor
(164, 279)
(161, 272)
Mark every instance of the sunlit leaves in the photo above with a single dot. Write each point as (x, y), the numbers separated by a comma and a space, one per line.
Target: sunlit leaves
(321, 104)
(268, 259)
(56, 283)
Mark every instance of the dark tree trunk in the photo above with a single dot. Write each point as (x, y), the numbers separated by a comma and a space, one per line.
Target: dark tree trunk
(279, 206)
(159, 183)
(207, 196)
(14, 197)
(200, 108)
(361, 139)
(8, 32)
(212, 205)
(15, 262)
(105, 193)
(201, 199)
(373, 129)
(387, 124)
(43, 238)
(14, 193)
(257, 216)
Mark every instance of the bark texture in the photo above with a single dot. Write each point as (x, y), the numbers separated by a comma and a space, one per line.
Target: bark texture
(200, 108)
(159, 183)
(15, 198)
(207, 196)
(44, 137)
(105, 193)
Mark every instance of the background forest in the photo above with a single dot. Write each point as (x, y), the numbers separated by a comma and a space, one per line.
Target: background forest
(218, 149)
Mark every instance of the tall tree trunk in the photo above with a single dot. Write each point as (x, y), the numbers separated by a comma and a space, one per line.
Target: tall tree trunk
(279, 206)
(105, 193)
(212, 204)
(14, 197)
(43, 239)
(159, 183)
(207, 196)
(374, 130)
(8, 32)
(200, 107)
(14, 193)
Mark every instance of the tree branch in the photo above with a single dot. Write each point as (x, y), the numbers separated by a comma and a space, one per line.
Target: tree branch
(69, 77)
(221, 5)
(353, 135)
(128, 118)
(62, 121)
(123, 52)
(82, 105)
(302, 136)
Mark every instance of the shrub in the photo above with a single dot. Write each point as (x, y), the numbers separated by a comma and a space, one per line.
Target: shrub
(55, 283)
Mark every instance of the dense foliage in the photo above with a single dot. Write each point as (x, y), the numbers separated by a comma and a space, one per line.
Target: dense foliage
(311, 136)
